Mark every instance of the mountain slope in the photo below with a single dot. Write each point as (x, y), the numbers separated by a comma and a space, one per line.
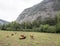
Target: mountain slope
(3, 21)
(45, 9)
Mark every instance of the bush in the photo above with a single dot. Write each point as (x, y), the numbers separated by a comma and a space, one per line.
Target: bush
(36, 29)
(44, 28)
(51, 29)
(0, 26)
(47, 28)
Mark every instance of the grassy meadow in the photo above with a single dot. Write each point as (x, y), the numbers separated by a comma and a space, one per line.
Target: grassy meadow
(40, 39)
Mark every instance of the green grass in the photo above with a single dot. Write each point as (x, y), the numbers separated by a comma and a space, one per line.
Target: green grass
(40, 39)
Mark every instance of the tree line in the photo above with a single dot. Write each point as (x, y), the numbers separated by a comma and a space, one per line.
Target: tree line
(48, 25)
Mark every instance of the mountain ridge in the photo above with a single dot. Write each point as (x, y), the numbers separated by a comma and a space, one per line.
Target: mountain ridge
(3, 21)
(45, 9)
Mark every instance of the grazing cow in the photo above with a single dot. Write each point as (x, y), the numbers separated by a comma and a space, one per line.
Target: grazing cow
(31, 36)
(12, 34)
(22, 37)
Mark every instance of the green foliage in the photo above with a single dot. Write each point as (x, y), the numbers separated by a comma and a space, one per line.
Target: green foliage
(51, 29)
(50, 21)
(0, 26)
(13, 26)
(48, 25)
(36, 30)
(44, 27)
(28, 25)
(47, 28)
(58, 23)
(3, 27)
(35, 24)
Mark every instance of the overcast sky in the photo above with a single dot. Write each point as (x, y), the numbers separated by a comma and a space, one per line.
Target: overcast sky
(10, 9)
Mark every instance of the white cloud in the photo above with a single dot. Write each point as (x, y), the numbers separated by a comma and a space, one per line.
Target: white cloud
(10, 9)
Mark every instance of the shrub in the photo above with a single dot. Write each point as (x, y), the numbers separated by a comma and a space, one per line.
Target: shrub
(51, 29)
(0, 26)
(44, 28)
(36, 29)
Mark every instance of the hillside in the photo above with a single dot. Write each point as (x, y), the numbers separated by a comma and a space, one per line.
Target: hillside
(45, 9)
(3, 21)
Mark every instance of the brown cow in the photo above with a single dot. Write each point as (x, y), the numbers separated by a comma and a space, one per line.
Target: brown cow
(12, 34)
(31, 36)
(22, 37)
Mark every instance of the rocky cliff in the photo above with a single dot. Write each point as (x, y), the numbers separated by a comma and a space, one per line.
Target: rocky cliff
(45, 9)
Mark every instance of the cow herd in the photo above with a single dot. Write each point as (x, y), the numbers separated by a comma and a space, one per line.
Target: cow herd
(21, 37)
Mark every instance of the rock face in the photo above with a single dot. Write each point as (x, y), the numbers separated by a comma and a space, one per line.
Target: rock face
(3, 21)
(45, 9)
